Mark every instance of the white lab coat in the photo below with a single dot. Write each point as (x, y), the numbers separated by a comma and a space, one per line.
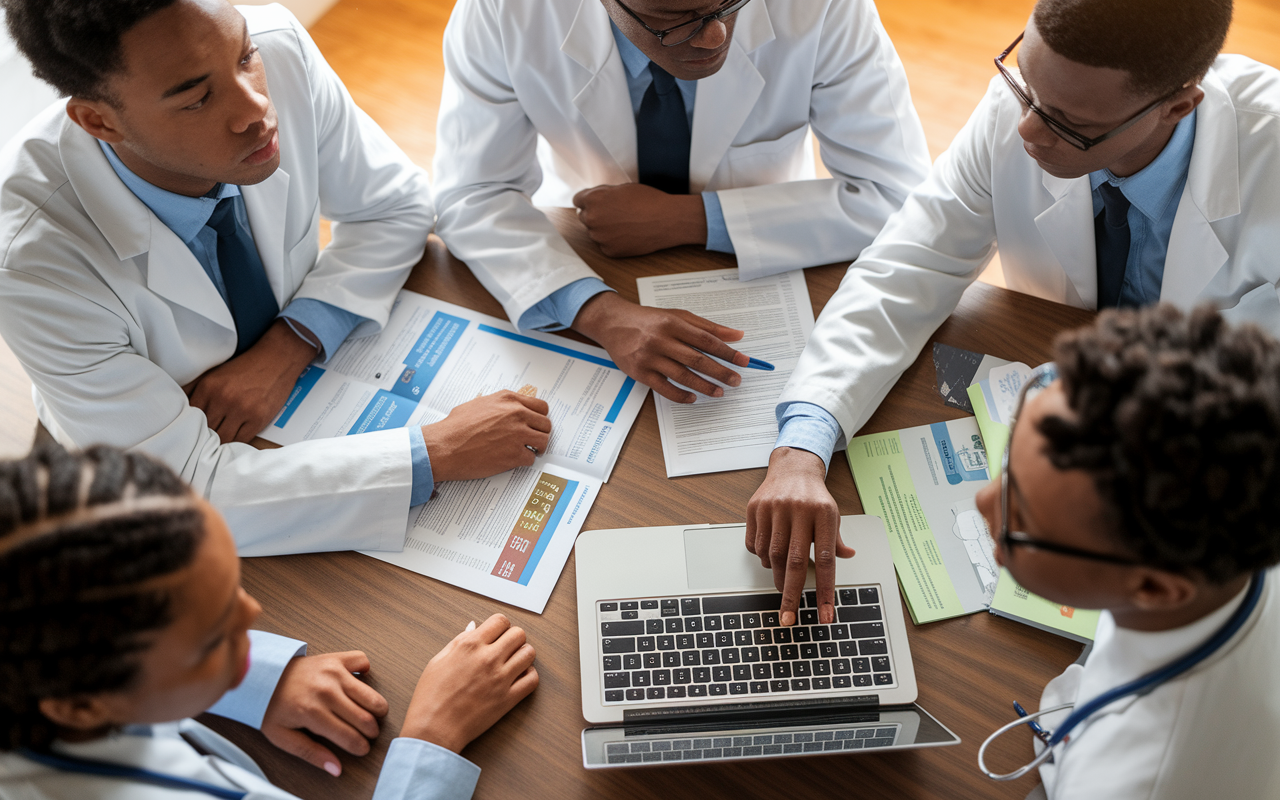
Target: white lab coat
(1211, 733)
(1223, 248)
(111, 314)
(546, 76)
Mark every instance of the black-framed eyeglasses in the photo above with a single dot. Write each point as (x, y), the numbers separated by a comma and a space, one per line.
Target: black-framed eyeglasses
(1074, 138)
(685, 31)
(1011, 539)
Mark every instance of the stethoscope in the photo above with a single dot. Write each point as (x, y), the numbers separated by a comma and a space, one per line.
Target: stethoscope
(1140, 686)
(136, 774)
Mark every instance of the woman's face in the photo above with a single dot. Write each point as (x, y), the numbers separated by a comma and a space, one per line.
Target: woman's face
(201, 654)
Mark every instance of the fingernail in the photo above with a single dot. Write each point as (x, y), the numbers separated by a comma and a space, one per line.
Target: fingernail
(471, 626)
(718, 392)
(333, 769)
(788, 618)
(736, 380)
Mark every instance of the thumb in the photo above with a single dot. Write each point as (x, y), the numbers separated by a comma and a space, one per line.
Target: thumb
(577, 198)
(843, 550)
(304, 747)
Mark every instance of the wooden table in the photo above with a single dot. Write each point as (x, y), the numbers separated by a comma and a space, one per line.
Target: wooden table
(969, 669)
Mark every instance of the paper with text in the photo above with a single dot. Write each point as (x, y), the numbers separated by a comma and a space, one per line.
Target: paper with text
(738, 430)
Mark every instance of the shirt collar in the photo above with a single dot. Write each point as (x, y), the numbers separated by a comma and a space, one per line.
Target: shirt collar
(183, 215)
(1156, 185)
(632, 58)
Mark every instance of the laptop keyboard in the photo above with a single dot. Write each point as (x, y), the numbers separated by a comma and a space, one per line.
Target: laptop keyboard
(714, 646)
(755, 746)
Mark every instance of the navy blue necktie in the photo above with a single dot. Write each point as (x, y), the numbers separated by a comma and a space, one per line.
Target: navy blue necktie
(1111, 236)
(662, 135)
(253, 305)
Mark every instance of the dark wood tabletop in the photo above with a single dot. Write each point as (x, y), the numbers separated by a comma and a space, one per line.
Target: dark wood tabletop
(969, 669)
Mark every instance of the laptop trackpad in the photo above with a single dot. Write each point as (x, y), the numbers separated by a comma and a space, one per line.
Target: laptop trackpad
(717, 560)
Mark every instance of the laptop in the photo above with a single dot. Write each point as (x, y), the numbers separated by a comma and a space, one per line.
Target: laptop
(683, 657)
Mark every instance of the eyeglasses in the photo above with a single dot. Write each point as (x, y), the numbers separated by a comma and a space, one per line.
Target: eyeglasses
(687, 30)
(1074, 138)
(1010, 539)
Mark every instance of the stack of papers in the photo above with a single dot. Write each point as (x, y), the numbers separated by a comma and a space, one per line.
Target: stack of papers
(507, 536)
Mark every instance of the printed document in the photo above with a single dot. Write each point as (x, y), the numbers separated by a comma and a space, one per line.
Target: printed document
(738, 430)
(506, 536)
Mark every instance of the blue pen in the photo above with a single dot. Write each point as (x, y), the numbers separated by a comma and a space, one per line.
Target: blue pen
(755, 363)
(1036, 728)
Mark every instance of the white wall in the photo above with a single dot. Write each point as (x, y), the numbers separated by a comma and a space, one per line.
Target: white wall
(22, 95)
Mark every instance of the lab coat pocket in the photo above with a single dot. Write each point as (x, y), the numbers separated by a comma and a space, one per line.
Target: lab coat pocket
(771, 161)
(1260, 305)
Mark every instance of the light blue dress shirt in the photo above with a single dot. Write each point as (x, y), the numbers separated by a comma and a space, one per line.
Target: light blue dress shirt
(188, 218)
(1153, 194)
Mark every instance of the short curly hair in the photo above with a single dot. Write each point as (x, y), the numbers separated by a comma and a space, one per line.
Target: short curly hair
(1178, 422)
(1162, 44)
(75, 44)
(80, 537)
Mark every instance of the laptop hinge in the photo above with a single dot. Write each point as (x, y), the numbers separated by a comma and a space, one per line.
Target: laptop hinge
(764, 710)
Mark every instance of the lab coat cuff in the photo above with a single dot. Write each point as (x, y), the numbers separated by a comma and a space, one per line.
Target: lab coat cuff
(805, 426)
(718, 238)
(418, 770)
(560, 308)
(269, 654)
(423, 481)
(330, 324)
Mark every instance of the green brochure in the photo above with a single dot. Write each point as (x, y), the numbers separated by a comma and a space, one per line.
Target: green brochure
(922, 483)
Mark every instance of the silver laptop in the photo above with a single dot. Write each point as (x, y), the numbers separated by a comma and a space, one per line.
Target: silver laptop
(683, 657)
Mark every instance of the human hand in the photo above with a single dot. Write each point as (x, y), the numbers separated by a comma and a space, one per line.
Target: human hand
(790, 511)
(319, 694)
(632, 219)
(487, 435)
(653, 345)
(240, 397)
(471, 684)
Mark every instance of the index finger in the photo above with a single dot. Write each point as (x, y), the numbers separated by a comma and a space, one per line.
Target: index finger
(707, 342)
(824, 559)
(492, 628)
(354, 661)
(722, 332)
(533, 403)
(797, 572)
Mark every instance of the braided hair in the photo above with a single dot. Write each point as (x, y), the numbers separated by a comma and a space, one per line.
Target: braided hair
(1178, 421)
(81, 534)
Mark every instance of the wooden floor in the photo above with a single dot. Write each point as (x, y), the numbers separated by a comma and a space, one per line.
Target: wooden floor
(388, 53)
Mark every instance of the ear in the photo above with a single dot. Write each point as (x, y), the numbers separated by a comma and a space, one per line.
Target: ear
(1183, 103)
(99, 119)
(1158, 590)
(80, 713)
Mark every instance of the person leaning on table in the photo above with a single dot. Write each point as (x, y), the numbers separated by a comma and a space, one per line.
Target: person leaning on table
(1123, 164)
(160, 273)
(1145, 480)
(123, 616)
(666, 122)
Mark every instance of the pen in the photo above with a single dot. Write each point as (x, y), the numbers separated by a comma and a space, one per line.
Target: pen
(1035, 726)
(755, 363)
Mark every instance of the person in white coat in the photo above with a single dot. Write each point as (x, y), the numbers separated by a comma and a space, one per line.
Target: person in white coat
(123, 617)
(161, 280)
(1144, 479)
(666, 122)
(1125, 163)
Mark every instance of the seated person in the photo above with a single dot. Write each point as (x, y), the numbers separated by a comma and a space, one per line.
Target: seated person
(160, 273)
(666, 122)
(1124, 164)
(1145, 480)
(124, 617)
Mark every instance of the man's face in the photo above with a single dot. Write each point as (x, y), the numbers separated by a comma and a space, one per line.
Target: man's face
(700, 57)
(1092, 101)
(192, 100)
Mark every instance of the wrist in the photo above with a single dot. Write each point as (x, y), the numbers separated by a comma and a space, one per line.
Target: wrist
(692, 219)
(424, 732)
(293, 348)
(593, 317)
(797, 461)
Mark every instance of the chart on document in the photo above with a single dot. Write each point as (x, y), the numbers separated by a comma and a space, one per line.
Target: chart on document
(738, 430)
(506, 536)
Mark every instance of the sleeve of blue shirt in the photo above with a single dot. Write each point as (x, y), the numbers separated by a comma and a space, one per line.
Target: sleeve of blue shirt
(418, 770)
(558, 310)
(269, 654)
(330, 324)
(424, 483)
(717, 231)
(806, 426)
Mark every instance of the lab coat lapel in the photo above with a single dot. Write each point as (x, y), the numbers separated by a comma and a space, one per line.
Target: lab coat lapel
(1212, 193)
(725, 99)
(266, 204)
(1067, 228)
(133, 230)
(603, 101)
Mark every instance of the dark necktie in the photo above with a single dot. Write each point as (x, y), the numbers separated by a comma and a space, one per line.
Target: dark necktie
(253, 305)
(662, 135)
(1111, 236)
